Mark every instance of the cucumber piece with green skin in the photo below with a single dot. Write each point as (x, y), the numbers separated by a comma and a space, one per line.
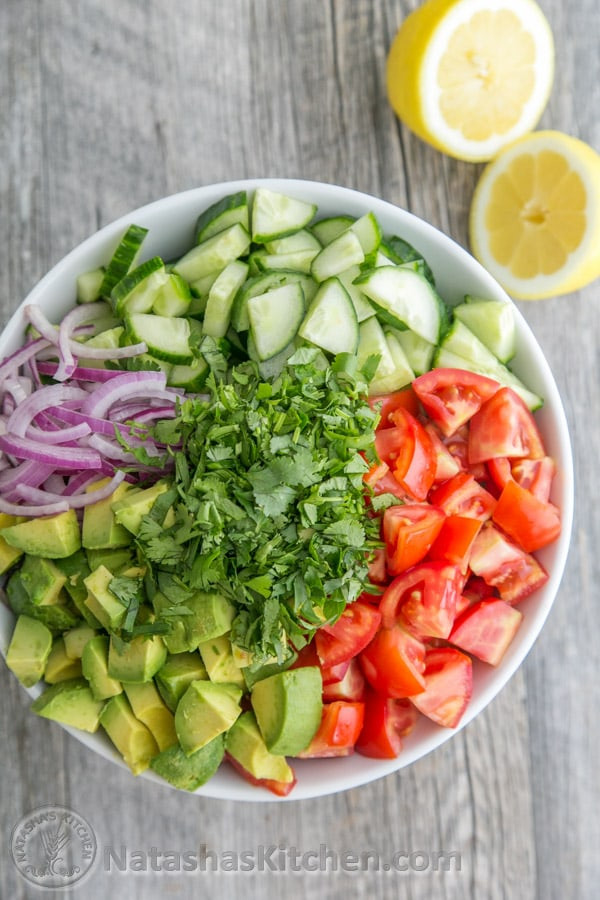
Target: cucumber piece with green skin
(275, 318)
(372, 342)
(405, 299)
(174, 297)
(362, 307)
(402, 367)
(263, 282)
(299, 260)
(270, 368)
(331, 322)
(401, 252)
(167, 337)
(493, 322)
(326, 230)
(214, 254)
(123, 258)
(230, 210)
(368, 232)
(275, 215)
(299, 240)
(191, 377)
(342, 253)
(137, 291)
(418, 351)
(89, 285)
(221, 296)
(461, 349)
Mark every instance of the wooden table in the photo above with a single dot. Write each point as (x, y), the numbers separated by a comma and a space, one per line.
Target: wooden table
(108, 104)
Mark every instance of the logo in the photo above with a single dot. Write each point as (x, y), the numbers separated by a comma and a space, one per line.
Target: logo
(53, 847)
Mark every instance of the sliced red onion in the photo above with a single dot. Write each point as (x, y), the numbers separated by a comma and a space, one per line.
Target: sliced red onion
(112, 450)
(80, 373)
(51, 395)
(47, 509)
(97, 425)
(28, 472)
(54, 484)
(59, 457)
(13, 363)
(75, 317)
(60, 436)
(128, 384)
(47, 330)
(74, 501)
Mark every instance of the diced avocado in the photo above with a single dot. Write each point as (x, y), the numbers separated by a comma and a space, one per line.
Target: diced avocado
(76, 568)
(148, 707)
(174, 678)
(131, 737)
(205, 711)
(103, 604)
(100, 529)
(8, 555)
(218, 658)
(188, 773)
(245, 743)
(28, 650)
(288, 709)
(58, 617)
(137, 660)
(52, 537)
(59, 666)
(76, 639)
(94, 665)
(208, 616)
(42, 580)
(70, 702)
(254, 673)
(130, 510)
(115, 560)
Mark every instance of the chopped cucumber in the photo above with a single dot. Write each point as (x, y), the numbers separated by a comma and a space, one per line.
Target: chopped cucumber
(174, 297)
(214, 254)
(221, 296)
(326, 230)
(137, 291)
(260, 284)
(299, 260)
(401, 252)
(405, 299)
(342, 253)
(191, 377)
(275, 215)
(275, 317)
(167, 337)
(270, 368)
(89, 286)
(493, 322)
(231, 210)
(300, 240)
(368, 232)
(362, 307)
(331, 322)
(419, 352)
(403, 368)
(372, 342)
(123, 258)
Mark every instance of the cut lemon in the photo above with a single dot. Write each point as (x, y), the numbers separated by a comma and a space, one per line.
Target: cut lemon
(535, 216)
(470, 76)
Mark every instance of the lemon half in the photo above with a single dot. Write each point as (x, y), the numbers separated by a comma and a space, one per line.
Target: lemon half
(471, 76)
(535, 216)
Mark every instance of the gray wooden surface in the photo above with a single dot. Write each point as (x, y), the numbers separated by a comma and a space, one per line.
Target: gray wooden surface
(108, 104)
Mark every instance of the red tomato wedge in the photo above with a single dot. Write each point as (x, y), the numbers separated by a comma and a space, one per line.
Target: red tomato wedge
(462, 495)
(389, 403)
(409, 530)
(536, 475)
(386, 722)
(377, 568)
(452, 396)
(341, 724)
(531, 522)
(393, 663)
(349, 635)
(455, 540)
(504, 565)
(486, 629)
(333, 674)
(448, 686)
(350, 687)
(408, 451)
(424, 598)
(446, 465)
(281, 788)
(504, 426)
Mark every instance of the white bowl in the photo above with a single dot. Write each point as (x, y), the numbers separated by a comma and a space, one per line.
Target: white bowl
(171, 231)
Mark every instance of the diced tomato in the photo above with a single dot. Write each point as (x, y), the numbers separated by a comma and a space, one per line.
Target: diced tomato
(477, 589)
(350, 687)
(462, 495)
(307, 656)
(448, 686)
(415, 469)
(536, 475)
(462, 603)
(409, 530)
(452, 396)
(349, 635)
(390, 485)
(281, 788)
(455, 540)
(377, 568)
(486, 629)
(375, 473)
(393, 662)
(389, 403)
(333, 674)
(531, 522)
(446, 465)
(504, 426)
(424, 597)
(341, 724)
(504, 565)
(499, 470)
(386, 722)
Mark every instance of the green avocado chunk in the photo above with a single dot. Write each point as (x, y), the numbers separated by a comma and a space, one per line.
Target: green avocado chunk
(75, 640)
(288, 709)
(28, 650)
(205, 711)
(8, 555)
(147, 706)
(94, 665)
(52, 537)
(130, 509)
(76, 568)
(207, 616)
(188, 773)
(137, 660)
(131, 737)
(71, 703)
(42, 579)
(59, 666)
(245, 743)
(220, 664)
(58, 617)
(174, 678)
(103, 604)
(100, 529)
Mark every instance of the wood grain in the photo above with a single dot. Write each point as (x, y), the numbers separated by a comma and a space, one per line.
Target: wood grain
(108, 104)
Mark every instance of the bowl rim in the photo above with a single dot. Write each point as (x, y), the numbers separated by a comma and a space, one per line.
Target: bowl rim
(326, 777)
